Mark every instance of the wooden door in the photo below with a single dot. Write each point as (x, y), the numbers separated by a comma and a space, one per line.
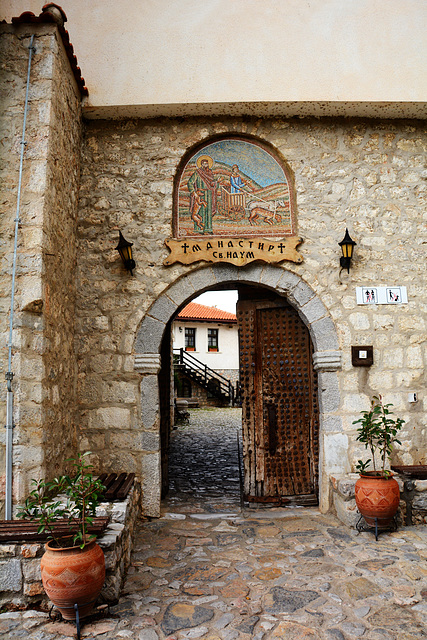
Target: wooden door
(280, 407)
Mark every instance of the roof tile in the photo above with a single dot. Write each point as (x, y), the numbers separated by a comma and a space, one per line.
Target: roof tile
(194, 311)
(46, 16)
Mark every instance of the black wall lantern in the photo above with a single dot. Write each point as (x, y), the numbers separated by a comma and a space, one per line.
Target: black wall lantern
(125, 249)
(347, 246)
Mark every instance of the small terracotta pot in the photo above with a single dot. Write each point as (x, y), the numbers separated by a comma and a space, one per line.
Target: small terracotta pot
(377, 497)
(73, 576)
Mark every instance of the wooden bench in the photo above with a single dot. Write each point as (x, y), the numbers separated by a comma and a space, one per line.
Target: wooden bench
(416, 471)
(117, 486)
(26, 530)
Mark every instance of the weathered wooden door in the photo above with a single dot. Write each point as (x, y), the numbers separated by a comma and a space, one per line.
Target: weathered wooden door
(280, 405)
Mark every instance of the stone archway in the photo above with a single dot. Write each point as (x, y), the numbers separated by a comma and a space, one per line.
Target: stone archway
(326, 360)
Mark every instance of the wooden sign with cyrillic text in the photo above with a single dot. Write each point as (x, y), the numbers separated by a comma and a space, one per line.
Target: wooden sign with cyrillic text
(237, 251)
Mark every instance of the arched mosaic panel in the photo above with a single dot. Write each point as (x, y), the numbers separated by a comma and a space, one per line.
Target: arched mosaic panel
(234, 186)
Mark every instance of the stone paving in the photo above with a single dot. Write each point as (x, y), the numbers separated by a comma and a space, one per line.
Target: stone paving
(204, 462)
(223, 573)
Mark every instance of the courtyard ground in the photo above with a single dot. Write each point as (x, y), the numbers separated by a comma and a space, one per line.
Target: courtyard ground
(210, 569)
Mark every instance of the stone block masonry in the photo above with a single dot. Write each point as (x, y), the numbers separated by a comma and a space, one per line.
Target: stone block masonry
(363, 174)
(44, 363)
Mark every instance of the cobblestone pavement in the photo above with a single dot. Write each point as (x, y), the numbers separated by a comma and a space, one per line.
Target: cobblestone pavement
(204, 462)
(288, 573)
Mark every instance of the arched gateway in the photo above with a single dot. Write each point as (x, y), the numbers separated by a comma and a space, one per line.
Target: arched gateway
(326, 357)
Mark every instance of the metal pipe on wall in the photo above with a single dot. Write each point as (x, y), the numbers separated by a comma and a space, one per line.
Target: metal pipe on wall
(9, 374)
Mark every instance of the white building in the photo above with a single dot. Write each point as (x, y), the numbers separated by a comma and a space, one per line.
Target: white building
(211, 335)
(209, 338)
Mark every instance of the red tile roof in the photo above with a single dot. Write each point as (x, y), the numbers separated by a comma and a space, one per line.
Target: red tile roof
(194, 311)
(29, 18)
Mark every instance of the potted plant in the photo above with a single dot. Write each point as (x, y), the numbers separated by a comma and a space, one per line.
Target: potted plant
(73, 566)
(376, 491)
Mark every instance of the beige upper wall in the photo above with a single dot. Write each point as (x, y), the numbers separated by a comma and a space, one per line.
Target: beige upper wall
(173, 56)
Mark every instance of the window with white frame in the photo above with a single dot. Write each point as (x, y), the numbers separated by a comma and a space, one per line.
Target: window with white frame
(190, 339)
(212, 339)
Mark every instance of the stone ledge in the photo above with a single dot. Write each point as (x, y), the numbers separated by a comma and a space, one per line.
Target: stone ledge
(147, 363)
(327, 360)
(18, 562)
(413, 500)
(343, 485)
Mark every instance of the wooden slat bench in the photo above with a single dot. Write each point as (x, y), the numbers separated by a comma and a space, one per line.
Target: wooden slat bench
(418, 471)
(117, 486)
(26, 530)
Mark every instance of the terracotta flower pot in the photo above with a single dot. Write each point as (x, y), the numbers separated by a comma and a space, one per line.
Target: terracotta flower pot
(377, 497)
(73, 576)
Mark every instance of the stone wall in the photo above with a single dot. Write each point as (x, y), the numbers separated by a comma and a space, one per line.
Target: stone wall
(12, 96)
(200, 395)
(367, 175)
(43, 363)
(59, 248)
(230, 374)
(199, 398)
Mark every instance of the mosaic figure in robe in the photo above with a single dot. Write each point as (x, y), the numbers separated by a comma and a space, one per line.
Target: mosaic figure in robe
(203, 195)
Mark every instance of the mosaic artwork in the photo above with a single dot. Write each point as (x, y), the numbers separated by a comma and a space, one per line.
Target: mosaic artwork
(234, 187)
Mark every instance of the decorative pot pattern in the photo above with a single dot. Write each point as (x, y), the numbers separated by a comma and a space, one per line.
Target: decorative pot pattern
(73, 576)
(377, 497)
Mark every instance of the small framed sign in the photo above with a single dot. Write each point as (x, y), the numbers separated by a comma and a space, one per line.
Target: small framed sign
(381, 295)
(362, 356)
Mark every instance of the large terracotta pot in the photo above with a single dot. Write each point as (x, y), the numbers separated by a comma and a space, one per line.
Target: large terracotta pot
(377, 497)
(73, 576)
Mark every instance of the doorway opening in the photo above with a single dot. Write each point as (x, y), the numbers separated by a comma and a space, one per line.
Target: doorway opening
(204, 442)
(263, 448)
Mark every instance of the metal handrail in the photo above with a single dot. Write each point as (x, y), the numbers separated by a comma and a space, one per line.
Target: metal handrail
(186, 359)
(185, 354)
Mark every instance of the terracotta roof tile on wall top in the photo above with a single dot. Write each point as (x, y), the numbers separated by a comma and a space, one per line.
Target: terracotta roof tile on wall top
(194, 311)
(53, 13)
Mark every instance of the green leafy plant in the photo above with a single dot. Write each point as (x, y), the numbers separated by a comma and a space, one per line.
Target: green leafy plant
(378, 431)
(361, 466)
(82, 492)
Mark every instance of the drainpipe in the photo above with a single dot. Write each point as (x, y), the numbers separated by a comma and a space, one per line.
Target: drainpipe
(9, 374)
